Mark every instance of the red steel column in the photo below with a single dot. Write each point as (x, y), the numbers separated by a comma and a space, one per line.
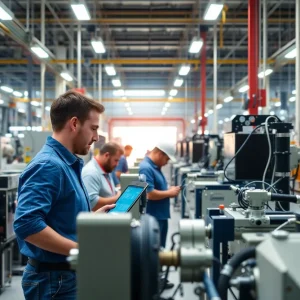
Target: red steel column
(203, 80)
(253, 55)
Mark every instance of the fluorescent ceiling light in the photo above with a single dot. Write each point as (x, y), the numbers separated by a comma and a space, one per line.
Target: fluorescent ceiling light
(294, 92)
(21, 110)
(81, 12)
(232, 117)
(226, 119)
(277, 104)
(199, 118)
(246, 113)
(193, 121)
(170, 98)
(127, 104)
(6, 89)
(178, 82)
(8, 135)
(244, 89)
(26, 94)
(206, 131)
(66, 76)
(292, 54)
(213, 11)
(292, 99)
(228, 99)
(184, 70)
(17, 94)
(110, 70)
(272, 113)
(41, 53)
(206, 115)
(119, 93)
(35, 103)
(196, 45)
(173, 93)
(98, 46)
(130, 113)
(221, 122)
(5, 13)
(263, 74)
(219, 106)
(145, 93)
(47, 108)
(116, 82)
(1, 101)
(210, 112)
(163, 113)
(167, 104)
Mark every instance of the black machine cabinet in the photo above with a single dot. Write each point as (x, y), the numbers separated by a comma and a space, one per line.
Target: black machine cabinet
(251, 161)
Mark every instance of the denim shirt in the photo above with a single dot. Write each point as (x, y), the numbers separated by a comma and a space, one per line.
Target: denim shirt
(50, 193)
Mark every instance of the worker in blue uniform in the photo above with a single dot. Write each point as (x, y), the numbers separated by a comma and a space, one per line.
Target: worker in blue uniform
(50, 196)
(158, 192)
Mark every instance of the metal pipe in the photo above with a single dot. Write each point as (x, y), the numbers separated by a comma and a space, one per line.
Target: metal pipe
(185, 105)
(265, 40)
(27, 15)
(195, 109)
(29, 88)
(79, 56)
(297, 119)
(43, 65)
(253, 55)
(203, 80)
(215, 115)
(71, 51)
(100, 93)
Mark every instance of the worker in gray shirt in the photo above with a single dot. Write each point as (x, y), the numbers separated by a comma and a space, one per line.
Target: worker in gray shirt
(97, 176)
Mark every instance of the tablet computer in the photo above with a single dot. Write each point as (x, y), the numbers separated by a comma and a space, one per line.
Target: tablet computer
(129, 197)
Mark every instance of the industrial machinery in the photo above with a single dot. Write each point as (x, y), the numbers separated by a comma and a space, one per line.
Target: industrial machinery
(133, 170)
(265, 157)
(248, 215)
(8, 198)
(270, 269)
(133, 272)
(126, 179)
(203, 193)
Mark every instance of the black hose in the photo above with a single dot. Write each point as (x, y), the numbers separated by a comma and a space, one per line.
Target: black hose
(231, 267)
(284, 197)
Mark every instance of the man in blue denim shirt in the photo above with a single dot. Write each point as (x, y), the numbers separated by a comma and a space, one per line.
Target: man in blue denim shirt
(50, 196)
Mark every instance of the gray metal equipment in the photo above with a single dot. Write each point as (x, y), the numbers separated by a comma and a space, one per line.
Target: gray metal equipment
(123, 254)
(277, 261)
(33, 143)
(8, 197)
(126, 179)
(133, 170)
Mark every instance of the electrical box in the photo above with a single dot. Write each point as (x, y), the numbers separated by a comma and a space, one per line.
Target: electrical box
(251, 161)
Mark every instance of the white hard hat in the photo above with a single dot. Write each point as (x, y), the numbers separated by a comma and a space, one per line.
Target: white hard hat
(168, 149)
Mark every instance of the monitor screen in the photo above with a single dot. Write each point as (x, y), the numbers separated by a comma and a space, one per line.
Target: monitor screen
(128, 198)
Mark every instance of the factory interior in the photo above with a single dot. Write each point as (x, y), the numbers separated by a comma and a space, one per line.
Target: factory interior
(205, 95)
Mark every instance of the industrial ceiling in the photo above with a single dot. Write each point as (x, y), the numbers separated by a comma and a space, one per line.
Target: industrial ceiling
(147, 42)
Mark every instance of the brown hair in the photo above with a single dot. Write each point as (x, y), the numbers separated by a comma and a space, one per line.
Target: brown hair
(69, 105)
(111, 148)
(128, 147)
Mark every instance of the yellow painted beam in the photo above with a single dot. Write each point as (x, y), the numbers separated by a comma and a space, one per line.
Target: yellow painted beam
(162, 21)
(139, 100)
(137, 61)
